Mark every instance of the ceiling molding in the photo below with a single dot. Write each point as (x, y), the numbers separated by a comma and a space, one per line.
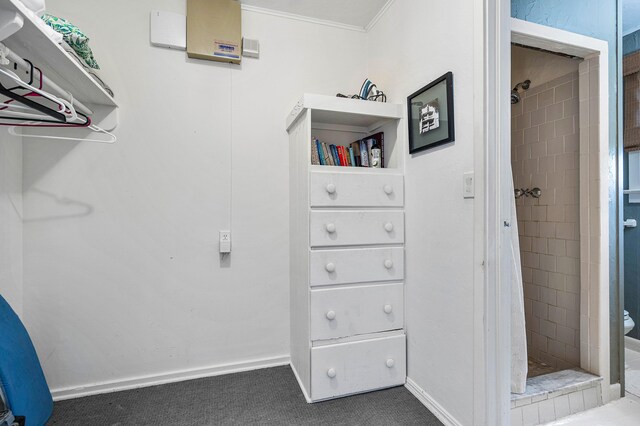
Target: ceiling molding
(379, 15)
(295, 17)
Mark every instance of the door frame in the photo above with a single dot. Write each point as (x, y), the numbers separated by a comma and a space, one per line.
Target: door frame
(500, 30)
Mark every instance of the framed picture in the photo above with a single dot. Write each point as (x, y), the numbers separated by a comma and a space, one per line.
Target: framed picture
(431, 115)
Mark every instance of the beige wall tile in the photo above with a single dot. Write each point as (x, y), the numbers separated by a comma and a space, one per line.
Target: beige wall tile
(545, 98)
(563, 92)
(555, 112)
(546, 154)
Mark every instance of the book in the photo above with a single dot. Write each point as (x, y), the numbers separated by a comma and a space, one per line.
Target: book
(336, 157)
(379, 139)
(315, 157)
(356, 153)
(364, 154)
(318, 152)
(327, 154)
(343, 157)
(362, 149)
(369, 143)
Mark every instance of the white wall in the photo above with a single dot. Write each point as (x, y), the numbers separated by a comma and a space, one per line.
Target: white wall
(414, 43)
(11, 220)
(122, 272)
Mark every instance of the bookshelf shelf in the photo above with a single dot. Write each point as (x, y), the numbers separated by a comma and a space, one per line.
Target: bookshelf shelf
(346, 227)
(341, 122)
(331, 110)
(354, 170)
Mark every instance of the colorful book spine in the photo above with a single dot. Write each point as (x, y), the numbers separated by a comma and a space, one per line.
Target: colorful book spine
(356, 153)
(318, 153)
(382, 148)
(343, 157)
(315, 158)
(327, 156)
(334, 153)
(352, 157)
(364, 154)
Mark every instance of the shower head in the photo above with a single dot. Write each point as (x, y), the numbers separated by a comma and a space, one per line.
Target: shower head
(515, 97)
(524, 85)
(515, 94)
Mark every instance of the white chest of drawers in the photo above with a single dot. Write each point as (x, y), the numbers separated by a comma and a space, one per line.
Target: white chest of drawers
(346, 253)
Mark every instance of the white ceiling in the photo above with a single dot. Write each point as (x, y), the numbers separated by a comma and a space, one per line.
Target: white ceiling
(350, 12)
(630, 16)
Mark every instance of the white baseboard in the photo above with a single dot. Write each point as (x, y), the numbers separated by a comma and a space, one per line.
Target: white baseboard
(170, 377)
(631, 343)
(426, 400)
(304, 392)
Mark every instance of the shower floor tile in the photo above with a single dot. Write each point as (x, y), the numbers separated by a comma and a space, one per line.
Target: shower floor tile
(538, 368)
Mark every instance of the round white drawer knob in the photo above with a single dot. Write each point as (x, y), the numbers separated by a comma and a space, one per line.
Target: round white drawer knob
(331, 228)
(388, 309)
(331, 188)
(330, 267)
(390, 363)
(388, 263)
(388, 226)
(331, 315)
(388, 189)
(331, 373)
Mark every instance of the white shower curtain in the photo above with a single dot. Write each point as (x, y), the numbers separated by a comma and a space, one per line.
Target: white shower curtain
(519, 366)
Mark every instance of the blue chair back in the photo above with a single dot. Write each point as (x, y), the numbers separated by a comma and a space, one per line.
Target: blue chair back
(21, 375)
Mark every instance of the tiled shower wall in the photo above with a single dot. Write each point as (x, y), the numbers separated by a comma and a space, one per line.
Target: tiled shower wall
(545, 154)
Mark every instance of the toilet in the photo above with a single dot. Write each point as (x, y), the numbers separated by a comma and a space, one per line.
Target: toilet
(628, 323)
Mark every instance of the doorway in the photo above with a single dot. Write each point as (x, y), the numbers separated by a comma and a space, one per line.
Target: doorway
(560, 146)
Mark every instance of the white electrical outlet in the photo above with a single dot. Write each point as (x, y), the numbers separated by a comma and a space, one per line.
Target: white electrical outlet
(225, 241)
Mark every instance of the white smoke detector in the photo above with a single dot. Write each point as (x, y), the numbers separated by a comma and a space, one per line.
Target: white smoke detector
(168, 29)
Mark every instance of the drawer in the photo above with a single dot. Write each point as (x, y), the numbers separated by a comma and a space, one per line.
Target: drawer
(343, 228)
(328, 267)
(347, 368)
(350, 311)
(356, 190)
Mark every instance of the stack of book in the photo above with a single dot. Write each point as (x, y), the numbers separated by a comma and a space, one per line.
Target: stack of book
(357, 154)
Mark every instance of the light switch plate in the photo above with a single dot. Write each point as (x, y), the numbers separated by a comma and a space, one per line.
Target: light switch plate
(225, 241)
(468, 185)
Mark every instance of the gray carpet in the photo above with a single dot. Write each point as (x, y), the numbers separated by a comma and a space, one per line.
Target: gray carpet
(262, 397)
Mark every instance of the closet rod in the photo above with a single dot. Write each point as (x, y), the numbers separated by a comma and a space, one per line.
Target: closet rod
(58, 91)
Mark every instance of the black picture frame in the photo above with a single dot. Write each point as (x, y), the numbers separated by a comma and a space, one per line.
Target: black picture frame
(428, 127)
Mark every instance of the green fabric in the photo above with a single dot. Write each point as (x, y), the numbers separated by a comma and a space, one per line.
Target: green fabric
(74, 38)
